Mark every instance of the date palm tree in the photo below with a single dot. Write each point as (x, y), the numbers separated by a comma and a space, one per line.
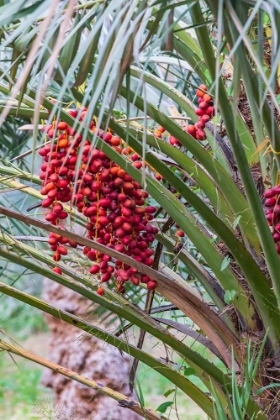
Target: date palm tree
(135, 67)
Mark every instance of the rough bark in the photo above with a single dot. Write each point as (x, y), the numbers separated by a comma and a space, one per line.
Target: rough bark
(87, 355)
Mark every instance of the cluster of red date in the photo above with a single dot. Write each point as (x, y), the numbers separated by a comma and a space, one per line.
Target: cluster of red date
(272, 213)
(205, 111)
(112, 202)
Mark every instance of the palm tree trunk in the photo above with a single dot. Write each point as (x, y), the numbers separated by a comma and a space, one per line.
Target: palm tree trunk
(87, 355)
